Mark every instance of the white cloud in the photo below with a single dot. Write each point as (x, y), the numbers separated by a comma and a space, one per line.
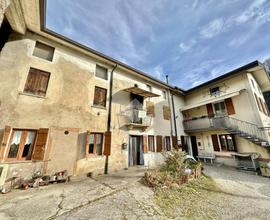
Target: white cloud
(158, 72)
(257, 11)
(214, 28)
(185, 47)
(238, 41)
(195, 4)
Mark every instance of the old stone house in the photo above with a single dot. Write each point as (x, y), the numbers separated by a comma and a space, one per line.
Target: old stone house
(66, 106)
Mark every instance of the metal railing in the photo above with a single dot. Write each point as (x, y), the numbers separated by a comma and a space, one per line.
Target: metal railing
(225, 122)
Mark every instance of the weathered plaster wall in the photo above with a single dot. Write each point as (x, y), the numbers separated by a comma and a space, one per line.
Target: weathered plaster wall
(3, 5)
(242, 145)
(69, 104)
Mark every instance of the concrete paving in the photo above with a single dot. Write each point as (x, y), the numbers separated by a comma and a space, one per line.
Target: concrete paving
(116, 196)
(121, 196)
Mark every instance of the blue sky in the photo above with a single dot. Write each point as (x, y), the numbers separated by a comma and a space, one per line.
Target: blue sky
(192, 41)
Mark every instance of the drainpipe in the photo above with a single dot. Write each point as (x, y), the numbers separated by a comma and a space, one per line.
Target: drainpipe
(109, 117)
(167, 81)
(174, 117)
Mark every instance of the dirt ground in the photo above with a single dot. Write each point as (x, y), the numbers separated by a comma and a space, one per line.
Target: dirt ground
(228, 194)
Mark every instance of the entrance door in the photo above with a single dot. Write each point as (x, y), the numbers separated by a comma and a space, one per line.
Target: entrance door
(135, 151)
(194, 146)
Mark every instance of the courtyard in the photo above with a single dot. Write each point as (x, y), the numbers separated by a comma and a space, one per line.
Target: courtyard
(121, 195)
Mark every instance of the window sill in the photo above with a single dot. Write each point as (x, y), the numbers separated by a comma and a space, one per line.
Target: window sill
(32, 95)
(21, 161)
(99, 107)
(94, 156)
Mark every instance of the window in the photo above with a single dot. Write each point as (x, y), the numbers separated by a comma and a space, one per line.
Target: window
(100, 97)
(21, 146)
(151, 143)
(167, 143)
(43, 51)
(101, 72)
(258, 102)
(95, 143)
(37, 82)
(164, 94)
(227, 142)
(215, 91)
(149, 88)
(220, 108)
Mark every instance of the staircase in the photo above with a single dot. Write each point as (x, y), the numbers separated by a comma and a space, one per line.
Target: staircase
(244, 129)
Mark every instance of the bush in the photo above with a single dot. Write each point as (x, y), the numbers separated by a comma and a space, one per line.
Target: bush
(173, 172)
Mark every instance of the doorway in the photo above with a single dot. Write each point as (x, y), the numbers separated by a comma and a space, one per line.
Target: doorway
(135, 151)
(194, 146)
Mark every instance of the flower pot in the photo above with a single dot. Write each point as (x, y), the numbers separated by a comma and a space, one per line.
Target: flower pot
(265, 171)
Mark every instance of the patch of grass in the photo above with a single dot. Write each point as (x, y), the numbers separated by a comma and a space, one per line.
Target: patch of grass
(192, 200)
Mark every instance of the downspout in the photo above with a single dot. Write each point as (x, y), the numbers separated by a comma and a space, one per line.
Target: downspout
(167, 81)
(174, 117)
(109, 117)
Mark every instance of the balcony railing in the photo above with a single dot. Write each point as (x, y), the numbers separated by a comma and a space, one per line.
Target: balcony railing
(233, 125)
(136, 118)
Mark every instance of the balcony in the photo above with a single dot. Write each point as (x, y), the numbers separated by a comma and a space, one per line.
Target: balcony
(201, 123)
(247, 130)
(134, 118)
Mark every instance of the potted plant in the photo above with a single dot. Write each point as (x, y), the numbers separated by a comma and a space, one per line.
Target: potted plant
(265, 169)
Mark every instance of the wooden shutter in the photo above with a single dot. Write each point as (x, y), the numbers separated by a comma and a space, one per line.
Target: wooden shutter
(4, 141)
(174, 142)
(107, 143)
(159, 143)
(229, 106)
(100, 96)
(166, 112)
(37, 82)
(145, 145)
(150, 108)
(40, 145)
(215, 142)
(210, 110)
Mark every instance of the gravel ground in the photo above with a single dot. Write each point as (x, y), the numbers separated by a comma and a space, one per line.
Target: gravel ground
(242, 195)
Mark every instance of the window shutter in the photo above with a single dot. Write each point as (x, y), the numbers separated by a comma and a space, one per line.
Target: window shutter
(40, 145)
(107, 143)
(166, 112)
(174, 142)
(145, 146)
(100, 96)
(215, 142)
(159, 143)
(150, 108)
(229, 106)
(37, 82)
(31, 82)
(210, 111)
(87, 143)
(4, 141)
